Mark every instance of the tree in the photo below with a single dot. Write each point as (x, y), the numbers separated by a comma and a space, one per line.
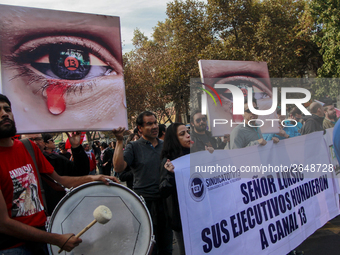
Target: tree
(275, 31)
(278, 32)
(142, 77)
(327, 36)
(185, 34)
(159, 69)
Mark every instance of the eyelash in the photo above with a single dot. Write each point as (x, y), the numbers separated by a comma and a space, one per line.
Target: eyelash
(24, 71)
(254, 80)
(22, 58)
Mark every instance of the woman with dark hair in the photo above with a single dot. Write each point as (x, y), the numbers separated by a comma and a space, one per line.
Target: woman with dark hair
(176, 144)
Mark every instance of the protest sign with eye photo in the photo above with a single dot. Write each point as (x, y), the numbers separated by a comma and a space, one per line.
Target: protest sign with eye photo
(62, 70)
(216, 75)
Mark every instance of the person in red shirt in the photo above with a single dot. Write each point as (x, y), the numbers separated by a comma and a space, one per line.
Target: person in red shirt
(91, 157)
(21, 209)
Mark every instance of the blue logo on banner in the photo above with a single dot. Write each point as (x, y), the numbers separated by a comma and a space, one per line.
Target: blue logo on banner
(196, 187)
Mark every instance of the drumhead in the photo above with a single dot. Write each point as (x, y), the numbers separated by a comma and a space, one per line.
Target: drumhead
(128, 232)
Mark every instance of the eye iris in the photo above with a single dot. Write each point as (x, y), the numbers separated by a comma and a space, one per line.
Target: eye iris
(69, 62)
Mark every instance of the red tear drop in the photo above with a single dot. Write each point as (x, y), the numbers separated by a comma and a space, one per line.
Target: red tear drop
(55, 98)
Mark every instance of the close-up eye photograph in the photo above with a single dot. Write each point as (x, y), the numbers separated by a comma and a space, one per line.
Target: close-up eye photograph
(63, 69)
(243, 75)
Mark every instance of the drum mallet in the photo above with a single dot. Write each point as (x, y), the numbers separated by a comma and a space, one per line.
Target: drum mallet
(101, 214)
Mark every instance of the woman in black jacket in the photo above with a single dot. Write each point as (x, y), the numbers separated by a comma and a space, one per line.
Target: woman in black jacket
(176, 144)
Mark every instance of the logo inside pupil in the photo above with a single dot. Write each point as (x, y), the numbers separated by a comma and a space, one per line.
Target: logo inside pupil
(73, 58)
(69, 63)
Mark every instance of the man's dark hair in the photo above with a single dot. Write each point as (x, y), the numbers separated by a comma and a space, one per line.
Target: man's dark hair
(12, 131)
(326, 104)
(104, 145)
(140, 121)
(161, 128)
(46, 137)
(171, 147)
(193, 113)
(295, 111)
(5, 99)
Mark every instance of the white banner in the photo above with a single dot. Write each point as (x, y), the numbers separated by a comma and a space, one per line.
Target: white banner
(287, 195)
(334, 161)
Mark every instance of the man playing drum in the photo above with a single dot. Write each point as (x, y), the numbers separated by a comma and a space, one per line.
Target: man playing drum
(21, 210)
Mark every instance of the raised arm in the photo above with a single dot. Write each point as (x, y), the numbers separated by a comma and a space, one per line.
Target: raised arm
(118, 156)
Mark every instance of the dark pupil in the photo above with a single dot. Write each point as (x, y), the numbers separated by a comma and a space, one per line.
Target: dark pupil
(69, 62)
(241, 85)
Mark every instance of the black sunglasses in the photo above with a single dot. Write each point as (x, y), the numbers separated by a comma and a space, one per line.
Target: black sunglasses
(201, 119)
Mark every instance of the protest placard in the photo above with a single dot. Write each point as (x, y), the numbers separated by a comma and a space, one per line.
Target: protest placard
(62, 71)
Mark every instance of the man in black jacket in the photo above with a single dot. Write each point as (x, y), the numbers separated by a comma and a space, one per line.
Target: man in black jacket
(78, 167)
(314, 122)
(203, 140)
(106, 158)
(97, 153)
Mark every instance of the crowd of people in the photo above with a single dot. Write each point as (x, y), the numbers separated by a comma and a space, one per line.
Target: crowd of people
(143, 161)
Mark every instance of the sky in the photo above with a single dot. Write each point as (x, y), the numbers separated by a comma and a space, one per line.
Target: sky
(133, 14)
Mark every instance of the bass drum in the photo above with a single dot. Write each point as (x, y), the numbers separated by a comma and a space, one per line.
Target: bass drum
(128, 232)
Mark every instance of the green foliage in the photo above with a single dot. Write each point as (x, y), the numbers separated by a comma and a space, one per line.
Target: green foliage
(160, 69)
(327, 36)
(274, 31)
(278, 32)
